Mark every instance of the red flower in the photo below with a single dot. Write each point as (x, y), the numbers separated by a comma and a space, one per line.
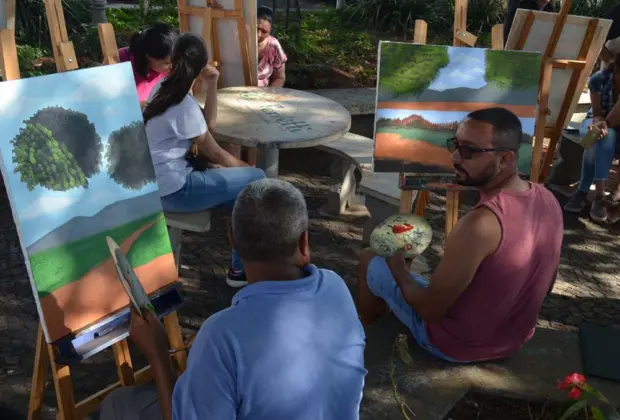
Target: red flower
(574, 393)
(572, 380)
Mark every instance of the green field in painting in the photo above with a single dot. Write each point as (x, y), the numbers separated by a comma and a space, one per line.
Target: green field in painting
(59, 266)
(436, 138)
(153, 242)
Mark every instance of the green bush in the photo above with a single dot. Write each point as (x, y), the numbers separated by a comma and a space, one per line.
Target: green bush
(393, 16)
(591, 8)
(482, 15)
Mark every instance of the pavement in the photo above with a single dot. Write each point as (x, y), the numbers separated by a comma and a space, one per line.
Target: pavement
(587, 290)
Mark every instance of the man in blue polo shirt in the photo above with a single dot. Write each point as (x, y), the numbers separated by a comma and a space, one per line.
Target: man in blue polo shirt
(291, 346)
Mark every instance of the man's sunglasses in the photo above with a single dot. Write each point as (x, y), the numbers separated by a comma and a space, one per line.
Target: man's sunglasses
(467, 152)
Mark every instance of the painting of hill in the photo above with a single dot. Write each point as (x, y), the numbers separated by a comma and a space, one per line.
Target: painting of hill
(426, 91)
(77, 166)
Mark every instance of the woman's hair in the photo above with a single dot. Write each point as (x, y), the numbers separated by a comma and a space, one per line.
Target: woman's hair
(155, 41)
(189, 57)
(265, 13)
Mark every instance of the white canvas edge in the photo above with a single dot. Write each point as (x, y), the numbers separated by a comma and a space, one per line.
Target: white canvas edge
(374, 123)
(7, 185)
(601, 32)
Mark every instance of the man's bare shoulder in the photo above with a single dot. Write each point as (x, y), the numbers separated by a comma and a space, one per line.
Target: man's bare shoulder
(479, 227)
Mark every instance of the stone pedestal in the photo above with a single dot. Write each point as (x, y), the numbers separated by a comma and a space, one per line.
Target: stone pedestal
(567, 170)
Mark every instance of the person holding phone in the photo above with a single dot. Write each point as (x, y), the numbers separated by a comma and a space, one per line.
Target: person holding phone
(604, 116)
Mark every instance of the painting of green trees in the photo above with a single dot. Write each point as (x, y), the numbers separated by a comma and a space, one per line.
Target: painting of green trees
(410, 70)
(512, 69)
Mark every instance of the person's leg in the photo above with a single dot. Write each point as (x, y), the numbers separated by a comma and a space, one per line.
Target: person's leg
(605, 150)
(131, 403)
(578, 201)
(215, 188)
(377, 288)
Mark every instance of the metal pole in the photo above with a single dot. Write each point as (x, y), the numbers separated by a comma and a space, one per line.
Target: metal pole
(98, 12)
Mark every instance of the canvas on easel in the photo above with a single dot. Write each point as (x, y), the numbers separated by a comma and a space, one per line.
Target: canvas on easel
(76, 172)
(570, 47)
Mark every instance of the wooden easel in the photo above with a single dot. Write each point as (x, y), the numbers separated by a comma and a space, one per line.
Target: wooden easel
(548, 64)
(210, 15)
(462, 38)
(45, 353)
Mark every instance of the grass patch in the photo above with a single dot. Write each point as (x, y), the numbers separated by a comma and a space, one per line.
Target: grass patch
(57, 267)
(154, 242)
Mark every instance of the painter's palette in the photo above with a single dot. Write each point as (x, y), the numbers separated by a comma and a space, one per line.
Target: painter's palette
(407, 232)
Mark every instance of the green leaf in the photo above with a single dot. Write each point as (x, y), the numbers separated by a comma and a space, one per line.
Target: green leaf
(580, 405)
(596, 413)
(403, 351)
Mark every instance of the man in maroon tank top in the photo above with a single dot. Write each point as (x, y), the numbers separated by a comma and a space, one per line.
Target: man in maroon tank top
(500, 261)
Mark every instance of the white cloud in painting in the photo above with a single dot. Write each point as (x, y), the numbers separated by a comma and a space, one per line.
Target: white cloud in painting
(46, 205)
(9, 92)
(94, 87)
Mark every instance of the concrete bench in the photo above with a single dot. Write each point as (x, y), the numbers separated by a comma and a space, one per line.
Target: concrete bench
(382, 199)
(358, 101)
(178, 222)
(431, 387)
(352, 157)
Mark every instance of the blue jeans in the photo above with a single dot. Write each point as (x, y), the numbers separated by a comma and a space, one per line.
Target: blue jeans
(597, 160)
(382, 284)
(212, 188)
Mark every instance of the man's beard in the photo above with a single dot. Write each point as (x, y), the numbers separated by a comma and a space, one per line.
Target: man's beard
(463, 177)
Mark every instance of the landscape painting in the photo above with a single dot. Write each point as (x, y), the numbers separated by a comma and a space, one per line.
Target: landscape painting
(77, 168)
(425, 91)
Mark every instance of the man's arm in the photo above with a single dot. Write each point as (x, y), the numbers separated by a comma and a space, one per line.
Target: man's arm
(152, 339)
(475, 237)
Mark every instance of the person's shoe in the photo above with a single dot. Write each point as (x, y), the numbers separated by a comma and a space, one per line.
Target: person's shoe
(598, 211)
(577, 203)
(236, 278)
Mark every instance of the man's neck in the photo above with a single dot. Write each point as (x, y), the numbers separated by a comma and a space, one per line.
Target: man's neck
(510, 182)
(273, 271)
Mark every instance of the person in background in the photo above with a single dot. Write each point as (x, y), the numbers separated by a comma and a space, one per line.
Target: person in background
(612, 42)
(500, 261)
(604, 87)
(175, 124)
(291, 346)
(149, 54)
(513, 5)
(271, 56)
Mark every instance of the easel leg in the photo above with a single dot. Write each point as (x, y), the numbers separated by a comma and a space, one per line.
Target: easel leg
(41, 364)
(422, 203)
(64, 389)
(452, 210)
(175, 337)
(124, 365)
(553, 143)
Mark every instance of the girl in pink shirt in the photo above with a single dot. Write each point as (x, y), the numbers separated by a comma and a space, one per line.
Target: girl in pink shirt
(271, 56)
(149, 54)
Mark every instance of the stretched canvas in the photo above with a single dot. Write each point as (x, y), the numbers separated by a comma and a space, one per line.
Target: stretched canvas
(231, 64)
(568, 48)
(425, 91)
(77, 168)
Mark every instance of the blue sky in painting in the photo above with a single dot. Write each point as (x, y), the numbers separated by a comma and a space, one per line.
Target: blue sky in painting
(439, 117)
(107, 95)
(466, 69)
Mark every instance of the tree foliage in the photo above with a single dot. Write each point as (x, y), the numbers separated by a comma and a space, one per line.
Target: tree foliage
(410, 69)
(511, 70)
(129, 157)
(73, 130)
(41, 160)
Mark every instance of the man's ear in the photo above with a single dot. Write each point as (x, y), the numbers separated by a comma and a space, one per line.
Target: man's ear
(304, 248)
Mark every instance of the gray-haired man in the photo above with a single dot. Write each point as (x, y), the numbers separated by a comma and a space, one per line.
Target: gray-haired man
(291, 346)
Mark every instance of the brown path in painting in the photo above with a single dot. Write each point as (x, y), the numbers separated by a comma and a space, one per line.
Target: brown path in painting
(393, 146)
(522, 111)
(100, 292)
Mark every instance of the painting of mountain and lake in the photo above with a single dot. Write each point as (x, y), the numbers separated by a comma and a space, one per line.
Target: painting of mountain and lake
(77, 168)
(425, 91)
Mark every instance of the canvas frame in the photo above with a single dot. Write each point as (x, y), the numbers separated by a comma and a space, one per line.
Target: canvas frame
(219, 23)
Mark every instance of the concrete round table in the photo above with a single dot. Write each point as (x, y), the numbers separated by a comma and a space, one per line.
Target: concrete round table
(276, 118)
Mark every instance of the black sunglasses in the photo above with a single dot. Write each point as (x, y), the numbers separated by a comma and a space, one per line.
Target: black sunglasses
(467, 152)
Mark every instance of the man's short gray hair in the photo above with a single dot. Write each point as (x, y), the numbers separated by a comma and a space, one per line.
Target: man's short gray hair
(268, 219)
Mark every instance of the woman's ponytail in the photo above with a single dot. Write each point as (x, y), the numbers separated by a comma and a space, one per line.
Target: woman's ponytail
(189, 57)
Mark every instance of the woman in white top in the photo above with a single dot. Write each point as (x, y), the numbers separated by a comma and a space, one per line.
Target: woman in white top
(174, 123)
